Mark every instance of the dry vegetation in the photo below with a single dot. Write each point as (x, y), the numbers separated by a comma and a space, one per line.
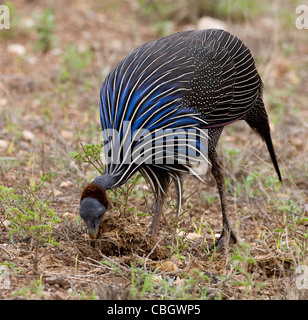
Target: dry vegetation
(49, 89)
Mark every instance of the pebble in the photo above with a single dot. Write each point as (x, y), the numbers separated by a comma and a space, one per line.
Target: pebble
(3, 102)
(27, 23)
(28, 135)
(209, 22)
(4, 144)
(16, 48)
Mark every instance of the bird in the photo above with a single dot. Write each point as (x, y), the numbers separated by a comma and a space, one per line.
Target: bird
(192, 81)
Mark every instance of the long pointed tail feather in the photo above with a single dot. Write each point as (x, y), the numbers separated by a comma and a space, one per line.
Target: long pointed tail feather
(257, 119)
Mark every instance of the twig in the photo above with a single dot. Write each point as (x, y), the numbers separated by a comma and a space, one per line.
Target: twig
(145, 260)
(6, 252)
(122, 268)
(287, 243)
(98, 264)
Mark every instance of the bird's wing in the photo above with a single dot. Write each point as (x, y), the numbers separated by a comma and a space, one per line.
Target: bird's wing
(225, 81)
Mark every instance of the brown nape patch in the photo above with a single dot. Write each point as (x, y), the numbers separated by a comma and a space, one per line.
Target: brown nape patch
(93, 190)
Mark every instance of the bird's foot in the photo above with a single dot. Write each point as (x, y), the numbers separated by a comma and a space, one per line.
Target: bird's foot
(153, 235)
(227, 237)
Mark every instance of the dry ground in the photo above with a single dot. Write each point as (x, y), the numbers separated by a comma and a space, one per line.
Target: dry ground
(48, 105)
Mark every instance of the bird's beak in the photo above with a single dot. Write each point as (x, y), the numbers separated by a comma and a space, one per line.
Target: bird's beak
(92, 232)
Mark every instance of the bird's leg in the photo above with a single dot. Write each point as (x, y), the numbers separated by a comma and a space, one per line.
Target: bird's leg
(227, 235)
(157, 210)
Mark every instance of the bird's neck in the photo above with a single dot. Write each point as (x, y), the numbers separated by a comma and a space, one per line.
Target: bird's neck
(105, 181)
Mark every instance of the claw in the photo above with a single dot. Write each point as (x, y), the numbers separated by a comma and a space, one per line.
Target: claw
(225, 239)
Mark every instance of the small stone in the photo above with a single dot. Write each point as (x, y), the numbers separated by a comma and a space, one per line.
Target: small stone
(67, 134)
(27, 23)
(3, 102)
(16, 48)
(209, 22)
(4, 144)
(28, 135)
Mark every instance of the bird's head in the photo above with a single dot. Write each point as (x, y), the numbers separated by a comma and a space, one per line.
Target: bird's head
(93, 204)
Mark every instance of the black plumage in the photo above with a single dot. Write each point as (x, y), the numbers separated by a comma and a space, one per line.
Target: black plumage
(200, 80)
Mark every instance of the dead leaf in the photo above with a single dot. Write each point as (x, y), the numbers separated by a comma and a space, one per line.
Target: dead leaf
(166, 266)
(6, 222)
(178, 282)
(57, 193)
(66, 184)
(158, 279)
(69, 216)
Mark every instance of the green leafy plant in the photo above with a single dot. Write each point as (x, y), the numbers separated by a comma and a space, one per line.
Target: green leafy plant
(45, 28)
(12, 266)
(210, 199)
(74, 63)
(35, 289)
(119, 197)
(29, 217)
(239, 10)
(179, 247)
(152, 285)
(242, 260)
(91, 153)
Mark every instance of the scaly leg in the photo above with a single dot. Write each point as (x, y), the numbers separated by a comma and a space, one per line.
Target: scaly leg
(157, 211)
(227, 235)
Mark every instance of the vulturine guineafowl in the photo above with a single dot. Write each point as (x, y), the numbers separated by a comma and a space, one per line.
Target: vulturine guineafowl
(194, 80)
